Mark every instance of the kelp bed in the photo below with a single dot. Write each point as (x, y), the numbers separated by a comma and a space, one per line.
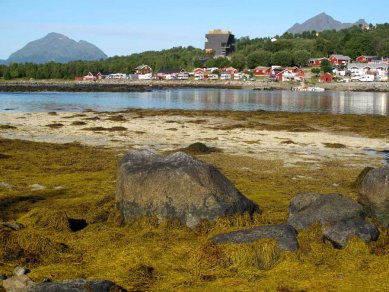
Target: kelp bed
(72, 229)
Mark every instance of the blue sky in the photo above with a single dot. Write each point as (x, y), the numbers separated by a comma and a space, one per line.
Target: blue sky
(122, 27)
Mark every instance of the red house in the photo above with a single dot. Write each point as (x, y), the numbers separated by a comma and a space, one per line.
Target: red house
(260, 71)
(315, 62)
(198, 71)
(230, 70)
(298, 73)
(326, 78)
(366, 59)
(143, 69)
(339, 59)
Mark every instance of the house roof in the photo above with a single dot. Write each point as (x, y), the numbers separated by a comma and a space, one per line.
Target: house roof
(261, 68)
(341, 57)
(169, 71)
(315, 59)
(369, 57)
(229, 68)
(371, 66)
(143, 66)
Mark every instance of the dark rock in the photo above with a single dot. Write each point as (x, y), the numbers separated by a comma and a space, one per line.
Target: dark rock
(374, 194)
(76, 285)
(284, 234)
(3, 277)
(176, 186)
(307, 209)
(199, 148)
(339, 232)
(361, 176)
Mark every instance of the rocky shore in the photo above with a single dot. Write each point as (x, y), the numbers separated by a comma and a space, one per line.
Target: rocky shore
(145, 85)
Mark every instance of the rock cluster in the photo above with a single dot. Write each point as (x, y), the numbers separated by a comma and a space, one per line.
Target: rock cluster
(340, 217)
(178, 186)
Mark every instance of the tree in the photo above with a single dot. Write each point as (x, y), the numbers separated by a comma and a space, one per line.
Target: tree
(259, 58)
(300, 58)
(282, 58)
(326, 66)
(238, 61)
(315, 71)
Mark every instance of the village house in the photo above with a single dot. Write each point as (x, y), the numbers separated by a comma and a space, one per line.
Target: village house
(367, 59)
(116, 76)
(225, 76)
(92, 76)
(261, 71)
(299, 74)
(326, 78)
(339, 59)
(143, 69)
(199, 71)
(379, 70)
(169, 73)
(230, 70)
(315, 62)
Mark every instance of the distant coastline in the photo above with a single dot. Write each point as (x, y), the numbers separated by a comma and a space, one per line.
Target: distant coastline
(147, 85)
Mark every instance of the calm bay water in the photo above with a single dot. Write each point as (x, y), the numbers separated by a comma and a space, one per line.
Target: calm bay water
(205, 99)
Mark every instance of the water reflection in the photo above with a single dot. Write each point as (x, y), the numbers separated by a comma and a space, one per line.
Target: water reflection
(212, 99)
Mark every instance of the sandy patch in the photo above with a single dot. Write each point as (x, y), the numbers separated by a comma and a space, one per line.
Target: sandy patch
(169, 132)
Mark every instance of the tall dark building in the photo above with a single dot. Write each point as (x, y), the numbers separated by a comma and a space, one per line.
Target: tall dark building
(220, 43)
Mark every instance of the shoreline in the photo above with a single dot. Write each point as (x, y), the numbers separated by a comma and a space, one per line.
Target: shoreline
(148, 85)
(270, 135)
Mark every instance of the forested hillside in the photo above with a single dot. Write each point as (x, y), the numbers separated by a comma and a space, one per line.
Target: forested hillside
(285, 50)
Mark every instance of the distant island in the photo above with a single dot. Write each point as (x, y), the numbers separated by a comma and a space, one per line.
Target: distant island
(55, 47)
(322, 22)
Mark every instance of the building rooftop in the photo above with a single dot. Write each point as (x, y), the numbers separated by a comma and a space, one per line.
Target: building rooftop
(219, 31)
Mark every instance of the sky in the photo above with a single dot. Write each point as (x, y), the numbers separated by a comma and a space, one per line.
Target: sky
(121, 27)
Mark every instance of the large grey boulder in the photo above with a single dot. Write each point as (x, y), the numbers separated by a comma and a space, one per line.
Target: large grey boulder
(76, 285)
(307, 209)
(175, 186)
(339, 232)
(374, 194)
(284, 234)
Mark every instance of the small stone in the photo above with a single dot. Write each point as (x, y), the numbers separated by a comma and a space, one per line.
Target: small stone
(37, 187)
(3, 277)
(19, 271)
(58, 188)
(13, 225)
(4, 184)
(18, 283)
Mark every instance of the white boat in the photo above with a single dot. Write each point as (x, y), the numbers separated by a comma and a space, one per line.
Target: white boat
(305, 88)
(316, 89)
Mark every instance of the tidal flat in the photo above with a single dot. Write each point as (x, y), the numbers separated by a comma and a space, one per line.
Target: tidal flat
(59, 182)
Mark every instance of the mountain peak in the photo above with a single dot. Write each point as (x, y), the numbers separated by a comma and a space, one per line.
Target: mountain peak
(58, 48)
(322, 22)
